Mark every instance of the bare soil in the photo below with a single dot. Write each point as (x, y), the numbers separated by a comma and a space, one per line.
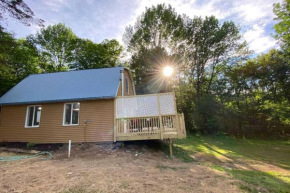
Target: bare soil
(98, 168)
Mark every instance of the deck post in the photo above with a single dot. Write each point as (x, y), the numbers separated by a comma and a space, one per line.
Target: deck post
(178, 126)
(183, 126)
(160, 118)
(177, 123)
(115, 130)
(170, 146)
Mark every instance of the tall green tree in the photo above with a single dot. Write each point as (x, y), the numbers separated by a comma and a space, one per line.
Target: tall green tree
(197, 48)
(207, 45)
(90, 55)
(256, 95)
(21, 60)
(8, 43)
(158, 26)
(150, 42)
(282, 12)
(56, 45)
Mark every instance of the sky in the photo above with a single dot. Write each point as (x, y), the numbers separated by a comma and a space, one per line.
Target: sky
(106, 19)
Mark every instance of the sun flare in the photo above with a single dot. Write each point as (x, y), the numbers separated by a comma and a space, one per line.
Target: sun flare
(167, 71)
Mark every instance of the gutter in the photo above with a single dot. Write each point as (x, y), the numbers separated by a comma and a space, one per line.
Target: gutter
(55, 101)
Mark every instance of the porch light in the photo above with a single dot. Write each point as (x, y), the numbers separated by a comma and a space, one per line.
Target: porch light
(167, 71)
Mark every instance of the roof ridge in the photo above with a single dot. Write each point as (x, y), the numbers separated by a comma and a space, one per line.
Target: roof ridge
(76, 71)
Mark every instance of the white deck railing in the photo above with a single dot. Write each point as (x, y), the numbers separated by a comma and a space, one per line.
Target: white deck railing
(148, 115)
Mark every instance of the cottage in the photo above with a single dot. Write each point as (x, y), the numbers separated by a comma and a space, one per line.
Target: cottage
(98, 105)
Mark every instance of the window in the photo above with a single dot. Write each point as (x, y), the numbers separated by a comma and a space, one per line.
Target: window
(33, 114)
(71, 114)
(127, 85)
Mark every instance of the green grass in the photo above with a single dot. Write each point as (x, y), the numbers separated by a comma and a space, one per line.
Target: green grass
(77, 189)
(164, 167)
(270, 181)
(222, 150)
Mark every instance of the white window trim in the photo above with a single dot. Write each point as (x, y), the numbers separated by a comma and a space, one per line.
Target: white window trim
(63, 120)
(32, 117)
(127, 81)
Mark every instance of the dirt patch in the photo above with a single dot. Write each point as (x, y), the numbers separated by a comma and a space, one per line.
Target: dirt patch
(97, 168)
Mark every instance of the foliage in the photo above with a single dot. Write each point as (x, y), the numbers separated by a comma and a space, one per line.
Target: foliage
(90, 55)
(149, 42)
(199, 50)
(56, 47)
(282, 12)
(30, 145)
(257, 93)
(19, 60)
(19, 10)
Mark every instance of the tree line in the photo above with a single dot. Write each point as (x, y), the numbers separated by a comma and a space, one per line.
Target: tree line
(52, 49)
(219, 85)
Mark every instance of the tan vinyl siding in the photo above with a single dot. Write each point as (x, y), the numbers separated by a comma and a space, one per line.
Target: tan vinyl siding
(120, 89)
(100, 112)
(131, 89)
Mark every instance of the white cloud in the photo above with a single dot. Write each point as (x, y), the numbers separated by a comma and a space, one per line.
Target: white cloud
(254, 33)
(262, 44)
(258, 40)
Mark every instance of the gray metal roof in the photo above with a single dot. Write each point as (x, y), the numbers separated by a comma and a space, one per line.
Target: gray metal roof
(65, 86)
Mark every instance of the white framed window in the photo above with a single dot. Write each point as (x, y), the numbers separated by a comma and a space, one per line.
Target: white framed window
(127, 85)
(71, 114)
(33, 115)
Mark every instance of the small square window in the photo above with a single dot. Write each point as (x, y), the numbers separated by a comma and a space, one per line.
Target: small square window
(33, 116)
(71, 114)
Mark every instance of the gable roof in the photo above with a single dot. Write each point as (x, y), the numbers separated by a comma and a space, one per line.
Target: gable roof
(65, 86)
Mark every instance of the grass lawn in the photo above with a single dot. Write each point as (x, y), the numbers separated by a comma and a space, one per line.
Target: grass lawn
(259, 165)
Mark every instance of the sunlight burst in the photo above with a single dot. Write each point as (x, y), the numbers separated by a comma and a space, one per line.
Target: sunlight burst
(167, 71)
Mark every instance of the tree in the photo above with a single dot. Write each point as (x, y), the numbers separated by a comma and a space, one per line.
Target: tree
(90, 55)
(56, 45)
(257, 96)
(197, 48)
(7, 45)
(208, 44)
(21, 60)
(147, 65)
(18, 58)
(157, 27)
(282, 12)
(151, 42)
(19, 10)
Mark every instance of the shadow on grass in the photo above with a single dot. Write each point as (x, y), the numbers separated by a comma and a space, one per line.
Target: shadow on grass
(275, 152)
(221, 150)
(260, 181)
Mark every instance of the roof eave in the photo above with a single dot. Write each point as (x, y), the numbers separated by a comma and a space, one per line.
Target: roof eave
(57, 101)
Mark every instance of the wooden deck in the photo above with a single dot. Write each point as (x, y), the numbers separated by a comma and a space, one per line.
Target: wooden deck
(149, 127)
